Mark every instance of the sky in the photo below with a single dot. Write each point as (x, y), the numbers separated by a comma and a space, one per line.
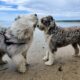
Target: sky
(59, 9)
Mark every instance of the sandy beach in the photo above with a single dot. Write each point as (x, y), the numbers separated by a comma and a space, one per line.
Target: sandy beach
(66, 67)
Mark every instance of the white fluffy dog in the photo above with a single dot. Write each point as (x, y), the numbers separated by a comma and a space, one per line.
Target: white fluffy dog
(19, 37)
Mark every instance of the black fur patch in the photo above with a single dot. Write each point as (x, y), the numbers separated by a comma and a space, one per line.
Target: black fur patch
(47, 20)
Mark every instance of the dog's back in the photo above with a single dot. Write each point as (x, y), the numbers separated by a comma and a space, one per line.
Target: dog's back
(65, 36)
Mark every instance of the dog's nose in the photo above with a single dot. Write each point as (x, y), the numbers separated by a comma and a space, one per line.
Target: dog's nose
(35, 14)
(37, 25)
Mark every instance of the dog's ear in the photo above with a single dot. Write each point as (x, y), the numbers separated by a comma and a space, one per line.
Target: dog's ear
(17, 18)
(50, 18)
(47, 20)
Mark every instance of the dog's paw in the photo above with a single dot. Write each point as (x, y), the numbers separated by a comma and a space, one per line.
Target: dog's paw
(45, 58)
(22, 69)
(75, 55)
(49, 63)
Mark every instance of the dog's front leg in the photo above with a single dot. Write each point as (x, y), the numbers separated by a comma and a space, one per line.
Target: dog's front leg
(46, 57)
(25, 56)
(51, 58)
(20, 62)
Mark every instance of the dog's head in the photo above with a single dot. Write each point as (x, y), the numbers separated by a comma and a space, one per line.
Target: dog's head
(23, 26)
(30, 20)
(46, 22)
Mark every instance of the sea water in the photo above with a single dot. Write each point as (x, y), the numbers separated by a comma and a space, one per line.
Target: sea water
(61, 24)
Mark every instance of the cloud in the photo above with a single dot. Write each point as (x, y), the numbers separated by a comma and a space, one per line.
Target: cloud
(45, 5)
(8, 1)
(6, 8)
(57, 8)
(15, 1)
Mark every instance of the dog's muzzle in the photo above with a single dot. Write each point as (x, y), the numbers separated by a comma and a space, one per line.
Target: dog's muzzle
(41, 28)
(35, 15)
(37, 25)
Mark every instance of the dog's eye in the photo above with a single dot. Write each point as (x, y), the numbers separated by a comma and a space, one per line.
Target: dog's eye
(45, 22)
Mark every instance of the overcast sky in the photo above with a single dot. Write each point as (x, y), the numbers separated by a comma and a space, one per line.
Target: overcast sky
(60, 9)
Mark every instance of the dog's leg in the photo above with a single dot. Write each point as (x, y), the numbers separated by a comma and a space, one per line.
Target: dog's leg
(76, 49)
(25, 56)
(51, 58)
(52, 49)
(46, 57)
(1, 61)
(20, 62)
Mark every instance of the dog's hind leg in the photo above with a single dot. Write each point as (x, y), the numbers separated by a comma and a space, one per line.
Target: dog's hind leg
(75, 46)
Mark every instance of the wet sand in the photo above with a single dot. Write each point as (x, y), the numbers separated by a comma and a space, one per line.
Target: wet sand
(66, 67)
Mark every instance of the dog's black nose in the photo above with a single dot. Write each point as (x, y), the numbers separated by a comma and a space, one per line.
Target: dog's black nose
(37, 25)
(35, 14)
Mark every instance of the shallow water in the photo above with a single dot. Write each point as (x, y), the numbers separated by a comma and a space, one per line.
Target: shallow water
(68, 24)
(62, 24)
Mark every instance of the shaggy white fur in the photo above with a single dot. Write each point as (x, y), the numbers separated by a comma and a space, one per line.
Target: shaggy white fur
(20, 34)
